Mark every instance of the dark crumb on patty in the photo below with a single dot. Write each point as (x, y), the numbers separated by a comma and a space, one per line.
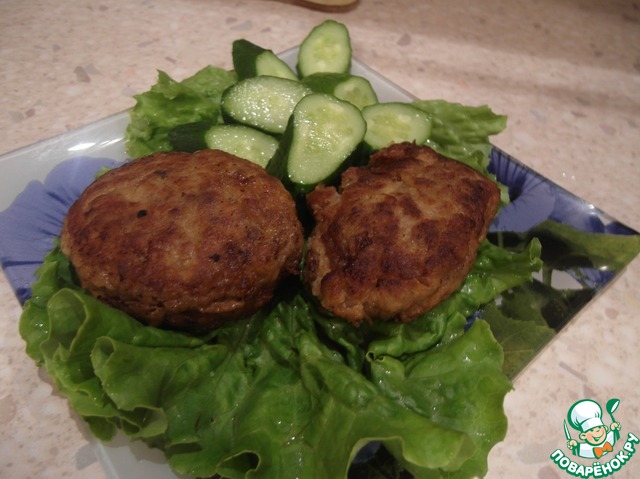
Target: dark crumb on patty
(184, 241)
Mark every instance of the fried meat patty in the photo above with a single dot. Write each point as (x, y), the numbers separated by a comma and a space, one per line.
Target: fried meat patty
(184, 241)
(399, 236)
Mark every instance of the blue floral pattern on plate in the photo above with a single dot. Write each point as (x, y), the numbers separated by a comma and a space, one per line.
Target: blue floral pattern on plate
(534, 199)
(30, 226)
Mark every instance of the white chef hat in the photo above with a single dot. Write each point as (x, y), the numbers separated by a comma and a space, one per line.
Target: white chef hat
(585, 415)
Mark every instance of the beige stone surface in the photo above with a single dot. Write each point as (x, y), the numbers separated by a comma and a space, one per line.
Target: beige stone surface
(566, 72)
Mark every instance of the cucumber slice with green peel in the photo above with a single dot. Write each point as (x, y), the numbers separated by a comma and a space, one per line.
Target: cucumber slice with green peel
(395, 122)
(243, 141)
(189, 137)
(321, 140)
(352, 88)
(327, 48)
(251, 60)
(263, 102)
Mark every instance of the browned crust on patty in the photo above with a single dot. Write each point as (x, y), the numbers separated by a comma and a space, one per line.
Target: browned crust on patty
(182, 240)
(399, 236)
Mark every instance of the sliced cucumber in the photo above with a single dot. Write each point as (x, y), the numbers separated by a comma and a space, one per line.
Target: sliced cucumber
(322, 138)
(263, 102)
(352, 88)
(251, 60)
(243, 141)
(327, 48)
(189, 137)
(395, 122)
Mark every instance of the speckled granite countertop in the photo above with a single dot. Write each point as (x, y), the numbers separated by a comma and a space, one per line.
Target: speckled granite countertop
(567, 73)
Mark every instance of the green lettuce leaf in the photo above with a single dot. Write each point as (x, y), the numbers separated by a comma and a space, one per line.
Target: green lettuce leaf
(459, 385)
(170, 103)
(568, 247)
(519, 326)
(265, 396)
(462, 132)
(273, 395)
(54, 274)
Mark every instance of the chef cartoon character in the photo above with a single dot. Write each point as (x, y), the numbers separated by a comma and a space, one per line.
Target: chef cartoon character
(586, 416)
